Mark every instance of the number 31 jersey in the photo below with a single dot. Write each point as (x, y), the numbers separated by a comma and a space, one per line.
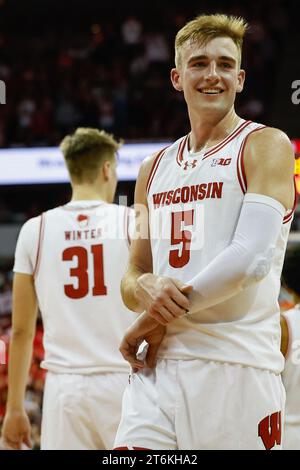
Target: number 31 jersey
(77, 254)
(194, 204)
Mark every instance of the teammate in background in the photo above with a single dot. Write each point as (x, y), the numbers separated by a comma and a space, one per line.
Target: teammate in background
(290, 347)
(219, 203)
(69, 262)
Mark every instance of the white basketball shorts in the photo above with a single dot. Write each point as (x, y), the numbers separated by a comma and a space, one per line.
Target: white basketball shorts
(291, 439)
(81, 411)
(197, 404)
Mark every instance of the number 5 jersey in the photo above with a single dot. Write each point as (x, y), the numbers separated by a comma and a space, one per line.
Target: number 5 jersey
(194, 204)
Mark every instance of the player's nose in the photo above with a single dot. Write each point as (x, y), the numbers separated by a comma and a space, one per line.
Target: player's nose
(212, 72)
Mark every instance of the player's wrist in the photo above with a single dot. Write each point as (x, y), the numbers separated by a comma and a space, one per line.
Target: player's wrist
(15, 408)
(146, 321)
(142, 283)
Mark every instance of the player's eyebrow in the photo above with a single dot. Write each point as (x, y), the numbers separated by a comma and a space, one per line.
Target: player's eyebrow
(228, 59)
(205, 57)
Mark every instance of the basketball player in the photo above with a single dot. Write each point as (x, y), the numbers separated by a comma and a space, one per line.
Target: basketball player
(290, 347)
(69, 262)
(220, 203)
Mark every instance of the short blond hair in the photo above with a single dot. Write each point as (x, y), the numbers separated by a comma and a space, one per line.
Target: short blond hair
(86, 150)
(204, 28)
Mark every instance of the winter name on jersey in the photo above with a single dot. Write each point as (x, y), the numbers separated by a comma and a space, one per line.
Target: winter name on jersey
(88, 234)
(185, 194)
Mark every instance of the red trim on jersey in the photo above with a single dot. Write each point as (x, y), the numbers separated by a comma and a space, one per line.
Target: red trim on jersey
(217, 147)
(227, 140)
(154, 168)
(290, 335)
(288, 216)
(240, 161)
(179, 156)
(240, 167)
(40, 242)
(133, 448)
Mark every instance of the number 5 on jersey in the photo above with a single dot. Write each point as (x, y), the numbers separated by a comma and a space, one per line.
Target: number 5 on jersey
(187, 234)
(81, 271)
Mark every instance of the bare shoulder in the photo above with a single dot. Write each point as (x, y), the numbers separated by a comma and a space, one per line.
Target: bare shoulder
(147, 165)
(269, 145)
(269, 165)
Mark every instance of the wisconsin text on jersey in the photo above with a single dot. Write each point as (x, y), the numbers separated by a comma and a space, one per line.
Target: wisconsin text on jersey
(195, 192)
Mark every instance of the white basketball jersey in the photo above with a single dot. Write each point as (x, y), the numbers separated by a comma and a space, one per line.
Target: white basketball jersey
(194, 204)
(78, 254)
(291, 381)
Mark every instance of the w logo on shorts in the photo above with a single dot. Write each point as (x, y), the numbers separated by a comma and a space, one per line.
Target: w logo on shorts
(269, 430)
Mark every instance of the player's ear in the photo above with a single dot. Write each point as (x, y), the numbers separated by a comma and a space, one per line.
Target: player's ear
(106, 170)
(241, 81)
(176, 79)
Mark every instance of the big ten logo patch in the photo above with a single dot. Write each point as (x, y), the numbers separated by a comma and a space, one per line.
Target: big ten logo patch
(221, 161)
(269, 430)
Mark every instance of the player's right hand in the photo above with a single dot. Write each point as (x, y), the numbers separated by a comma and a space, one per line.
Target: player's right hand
(164, 299)
(16, 430)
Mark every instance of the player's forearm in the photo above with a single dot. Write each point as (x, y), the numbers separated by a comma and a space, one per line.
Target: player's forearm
(20, 354)
(129, 286)
(144, 323)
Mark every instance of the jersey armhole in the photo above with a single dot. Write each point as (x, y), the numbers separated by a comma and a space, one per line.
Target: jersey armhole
(290, 339)
(39, 246)
(241, 174)
(290, 213)
(153, 170)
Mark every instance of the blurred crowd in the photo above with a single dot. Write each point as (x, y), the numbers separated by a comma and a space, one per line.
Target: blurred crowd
(112, 71)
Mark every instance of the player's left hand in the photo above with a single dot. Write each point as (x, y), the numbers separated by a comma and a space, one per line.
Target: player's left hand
(144, 329)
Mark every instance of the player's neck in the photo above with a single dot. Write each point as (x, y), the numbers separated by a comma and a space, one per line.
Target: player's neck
(88, 193)
(207, 131)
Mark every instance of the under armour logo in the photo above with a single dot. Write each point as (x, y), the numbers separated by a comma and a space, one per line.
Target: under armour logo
(269, 430)
(190, 165)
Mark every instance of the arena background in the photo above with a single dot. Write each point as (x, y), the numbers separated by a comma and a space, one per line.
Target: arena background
(90, 63)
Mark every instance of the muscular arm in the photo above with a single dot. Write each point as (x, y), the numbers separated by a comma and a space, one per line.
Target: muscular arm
(16, 428)
(140, 257)
(269, 167)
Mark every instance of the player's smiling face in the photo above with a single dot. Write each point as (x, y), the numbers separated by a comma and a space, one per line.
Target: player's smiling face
(209, 75)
